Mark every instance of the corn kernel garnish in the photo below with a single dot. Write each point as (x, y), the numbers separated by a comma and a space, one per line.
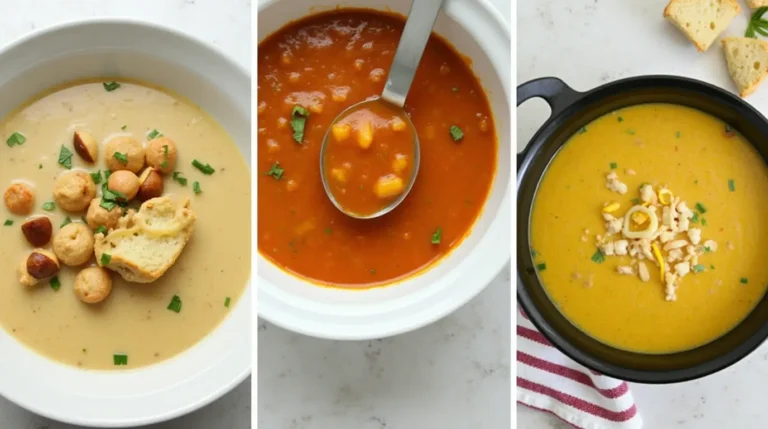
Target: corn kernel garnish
(659, 259)
(665, 196)
(612, 207)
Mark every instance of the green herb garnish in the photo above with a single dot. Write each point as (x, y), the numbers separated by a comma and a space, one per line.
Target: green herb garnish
(175, 304)
(276, 171)
(105, 258)
(437, 236)
(698, 268)
(204, 168)
(614, 166)
(66, 222)
(703, 222)
(8, 222)
(636, 201)
(631, 132)
(124, 127)
(16, 139)
(372, 271)
(541, 267)
(700, 207)
(196, 188)
(299, 117)
(49, 206)
(743, 280)
(111, 86)
(178, 178)
(534, 253)
(55, 283)
(226, 302)
(110, 198)
(121, 157)
(756, 24)
(120, 360)
(65, 157)
(96, 177)
(153, 135)
(598, 257)
(695, 218)
(107, 173)
(620, 119)
(677, 134)
(328, 231)
(456, 133)
(731, 185)
(101, 230)
(582, 130)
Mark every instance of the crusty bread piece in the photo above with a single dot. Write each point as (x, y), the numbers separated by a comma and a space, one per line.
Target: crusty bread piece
(747, 60)
(754, 4)
(701, 20)
(146, 244)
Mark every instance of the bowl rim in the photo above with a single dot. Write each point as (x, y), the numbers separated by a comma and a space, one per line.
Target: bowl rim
(564, 101)
(438, 309)
(239, 375)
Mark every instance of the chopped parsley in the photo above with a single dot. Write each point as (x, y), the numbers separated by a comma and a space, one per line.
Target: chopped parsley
(105, 258)
(227, 301)
(65, 157)
(107, 173)
(55, 283)
(731, 185)
(96, 177)
(598, 257)
(16, 139)
(541, 267)
(120, 360)
(582, 130)
(153, 135)
(177, 176)
(698, 268)
(744, 280)
(101, 230)
(700, 207)
(437, 236)
(66, 222)
(49, 206)
(111, 86)
(121, 157)
(614, 166)
(175, 304)
(8, 222)
(204, 168)
(110, 198)
(196, 188)
(299, 117)
(276, 171)
(456, 133)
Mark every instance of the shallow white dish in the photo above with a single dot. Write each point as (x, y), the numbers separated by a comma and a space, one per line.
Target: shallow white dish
(172, 60)
(477, 31)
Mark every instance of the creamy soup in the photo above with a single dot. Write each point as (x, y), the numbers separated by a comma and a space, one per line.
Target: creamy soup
(133, 327)
(697, 159)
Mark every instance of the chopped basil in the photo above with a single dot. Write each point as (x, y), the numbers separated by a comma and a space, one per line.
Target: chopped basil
(178, 178)
(175, 304)
(731, 185)
(456, 133)
(65, 157)
(437, 236)
(598, 257)
(582, 130)
(700, 207)
(154, 134)
(299, 117)
(66, 222)
(123, 158)
(120, 360)
(226, 302)
(196, 188)
(101, 230)
(49, 206)
(698, 268)
(16, 139)
(276, 171)
(105, 258)
(8, 222)
(110, 198)
(614, 166)
(55, 283)
(111, 86)
(743, 280)
(96, 177)
(541, 267)
(204, 168)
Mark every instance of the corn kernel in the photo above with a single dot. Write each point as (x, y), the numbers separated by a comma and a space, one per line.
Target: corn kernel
(400, 163)
(612, 207)
(397, 124)
(365, 135)
(388, 186)
(665, 196)
(340, 174)
(659, 259)
(340, 131)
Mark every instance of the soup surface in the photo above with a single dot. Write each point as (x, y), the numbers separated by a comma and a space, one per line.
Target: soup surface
(702, 161)
(325, 64)
(134, 321)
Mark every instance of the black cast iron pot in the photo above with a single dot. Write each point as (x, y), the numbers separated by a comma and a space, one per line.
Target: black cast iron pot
(570, 111)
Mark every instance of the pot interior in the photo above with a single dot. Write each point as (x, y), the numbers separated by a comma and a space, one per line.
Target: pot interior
(653, 368)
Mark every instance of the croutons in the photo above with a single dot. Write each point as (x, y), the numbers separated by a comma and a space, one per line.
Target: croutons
(747, 61)
(701, 20)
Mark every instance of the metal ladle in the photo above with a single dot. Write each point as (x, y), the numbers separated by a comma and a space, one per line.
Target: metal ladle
(418, 28)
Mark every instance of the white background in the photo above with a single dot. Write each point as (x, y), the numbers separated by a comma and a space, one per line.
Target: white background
(453, 374)
(226, 24)
(589, 42)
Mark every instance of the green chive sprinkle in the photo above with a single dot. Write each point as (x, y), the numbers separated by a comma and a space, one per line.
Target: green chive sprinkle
(614, 166)
(226, 302)
(582, 130)
(196, 188)
(541, 267)
(101, 230)
(635, 201)
(204, 168)
(111, 86)
(598, 257)
(175, 304)
(96, 177)
(49, 206)
(677, 134)
(437, 236)
(700, 207)
(55, 283)
(105, 258)
(698, 268)
(154, 134)
(120, 360)
(8, 222)
(456, 133)
(631, 132)
(16, 139)
(178, 178)
(621, 119)
(731, 185)
(744, 280)
(703, 222)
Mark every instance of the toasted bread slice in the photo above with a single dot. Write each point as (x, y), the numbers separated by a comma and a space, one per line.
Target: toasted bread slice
(754, 4)
(701, 20)
(146, 244)
(747, 60)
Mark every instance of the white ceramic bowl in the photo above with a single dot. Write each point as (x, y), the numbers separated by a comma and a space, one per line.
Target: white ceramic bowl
(477, 31)
(220, 361)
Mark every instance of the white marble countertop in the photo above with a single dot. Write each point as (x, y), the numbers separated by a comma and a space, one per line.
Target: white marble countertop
(589, 42)
(453, 374)
(226, 24)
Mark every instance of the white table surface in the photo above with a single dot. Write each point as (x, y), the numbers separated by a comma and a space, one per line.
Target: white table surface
(226, 24)
(589, 42)
(453, 374)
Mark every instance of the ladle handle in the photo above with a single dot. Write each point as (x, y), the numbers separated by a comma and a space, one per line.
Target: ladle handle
(418, 28)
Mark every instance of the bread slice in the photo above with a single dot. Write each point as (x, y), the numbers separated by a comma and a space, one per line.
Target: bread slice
(747, 60)
(701, 20)
(146, 244)
(754, 4)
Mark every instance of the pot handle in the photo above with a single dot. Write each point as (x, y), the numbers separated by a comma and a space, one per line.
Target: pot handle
(554, 91)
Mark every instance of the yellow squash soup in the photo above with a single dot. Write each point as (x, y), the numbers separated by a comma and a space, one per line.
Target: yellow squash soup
(692, 189)
(137, 324)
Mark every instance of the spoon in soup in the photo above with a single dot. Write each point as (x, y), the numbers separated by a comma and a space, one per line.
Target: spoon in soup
(370, 154)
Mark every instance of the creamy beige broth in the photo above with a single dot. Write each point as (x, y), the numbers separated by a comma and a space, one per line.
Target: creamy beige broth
(134, 320)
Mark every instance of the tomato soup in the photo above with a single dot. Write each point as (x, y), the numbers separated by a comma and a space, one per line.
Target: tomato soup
(699, 274)
(324, 64)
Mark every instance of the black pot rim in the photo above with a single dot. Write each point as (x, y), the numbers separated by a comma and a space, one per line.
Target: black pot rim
(564, 101)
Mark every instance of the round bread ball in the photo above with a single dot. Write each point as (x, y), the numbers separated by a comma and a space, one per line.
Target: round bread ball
(93, 285)
(125, 183)
(124, 153)
(161, 154)
(20, 199)
(99, 216)
(73, 191)
(73, 244)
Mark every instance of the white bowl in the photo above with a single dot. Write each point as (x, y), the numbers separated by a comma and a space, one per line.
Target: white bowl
(222, 360)
(477, 31)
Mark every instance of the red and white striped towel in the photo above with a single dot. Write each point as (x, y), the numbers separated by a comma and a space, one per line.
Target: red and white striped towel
(550, 381)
